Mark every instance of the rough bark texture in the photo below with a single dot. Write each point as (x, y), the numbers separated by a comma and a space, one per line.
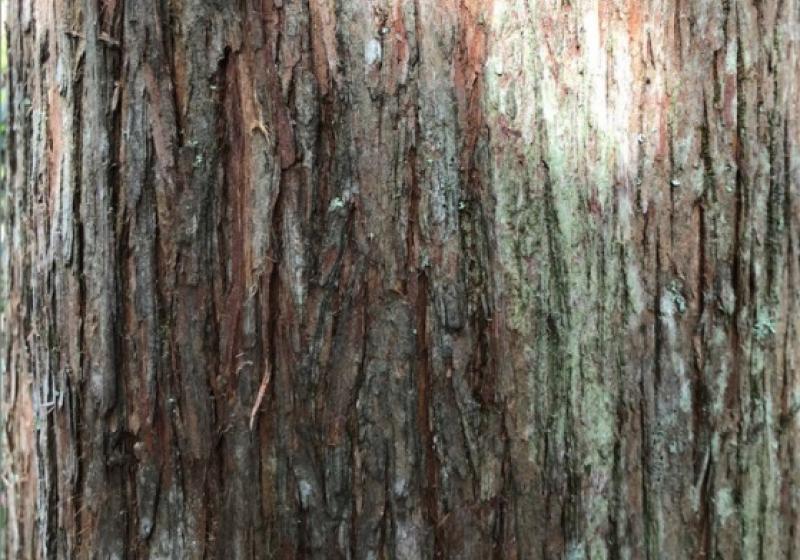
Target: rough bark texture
(403, 279)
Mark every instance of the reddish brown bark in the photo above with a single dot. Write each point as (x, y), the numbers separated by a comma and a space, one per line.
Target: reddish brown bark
(403, 279)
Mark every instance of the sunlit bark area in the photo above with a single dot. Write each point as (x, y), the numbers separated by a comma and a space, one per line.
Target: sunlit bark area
(403, 279)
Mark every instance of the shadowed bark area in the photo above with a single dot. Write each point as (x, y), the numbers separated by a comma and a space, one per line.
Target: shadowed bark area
(403, 279)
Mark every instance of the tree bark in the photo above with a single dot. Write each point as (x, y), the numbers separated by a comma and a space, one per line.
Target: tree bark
(403, 279)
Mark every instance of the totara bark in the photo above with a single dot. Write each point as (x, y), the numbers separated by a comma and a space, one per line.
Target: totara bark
(403, 279)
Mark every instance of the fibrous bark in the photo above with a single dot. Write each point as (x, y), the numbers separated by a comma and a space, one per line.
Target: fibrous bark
(403, 279)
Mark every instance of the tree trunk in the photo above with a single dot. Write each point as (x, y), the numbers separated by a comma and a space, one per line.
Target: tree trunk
(403, 279)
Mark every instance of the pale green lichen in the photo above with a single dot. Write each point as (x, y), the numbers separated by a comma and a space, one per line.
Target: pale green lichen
(764, 326)
(336, 204)
(725, 505)
(676, 290)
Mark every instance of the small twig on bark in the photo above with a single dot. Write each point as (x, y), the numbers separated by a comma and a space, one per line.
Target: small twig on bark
(108, 40)
(262, 390)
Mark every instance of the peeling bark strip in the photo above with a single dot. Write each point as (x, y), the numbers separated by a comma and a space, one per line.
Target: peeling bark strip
(403, 279)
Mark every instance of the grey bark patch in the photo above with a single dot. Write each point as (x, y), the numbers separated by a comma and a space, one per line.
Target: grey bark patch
(147, 488)
(372, 52)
